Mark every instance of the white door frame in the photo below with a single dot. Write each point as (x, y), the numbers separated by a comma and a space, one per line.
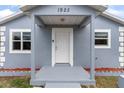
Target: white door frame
(71, 45)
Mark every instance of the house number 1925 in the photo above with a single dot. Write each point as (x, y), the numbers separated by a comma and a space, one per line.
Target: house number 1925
(63, 9)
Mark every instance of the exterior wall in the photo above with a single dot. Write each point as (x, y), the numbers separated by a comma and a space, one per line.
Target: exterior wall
(43, 46)
(16, 60)
(82, 47)
(106, 57)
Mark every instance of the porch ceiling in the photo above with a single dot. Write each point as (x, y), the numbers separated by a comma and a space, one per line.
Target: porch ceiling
(62, 20)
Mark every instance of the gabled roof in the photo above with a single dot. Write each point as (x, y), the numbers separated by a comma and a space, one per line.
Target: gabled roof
(100, 8)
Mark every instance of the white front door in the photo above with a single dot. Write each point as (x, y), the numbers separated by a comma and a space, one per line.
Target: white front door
(62, 45)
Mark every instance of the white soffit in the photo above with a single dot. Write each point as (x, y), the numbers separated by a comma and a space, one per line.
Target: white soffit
(62, 20)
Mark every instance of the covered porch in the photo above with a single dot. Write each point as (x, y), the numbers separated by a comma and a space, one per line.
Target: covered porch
(66, 72)
(62, 74)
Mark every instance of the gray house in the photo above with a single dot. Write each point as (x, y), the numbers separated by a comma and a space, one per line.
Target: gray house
(58, 42)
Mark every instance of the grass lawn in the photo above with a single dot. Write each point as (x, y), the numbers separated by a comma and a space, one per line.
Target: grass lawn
(106, 81)
(15, 82)
(23, 82)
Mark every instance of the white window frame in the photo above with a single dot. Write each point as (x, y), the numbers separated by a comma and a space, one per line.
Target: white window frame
(109, 38)
(11, 43)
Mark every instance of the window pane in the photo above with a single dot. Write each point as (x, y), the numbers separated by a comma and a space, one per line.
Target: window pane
(101, 42)
(26, 35)
(16, 36)
(26, 45)
(101, 35)
(16, 45)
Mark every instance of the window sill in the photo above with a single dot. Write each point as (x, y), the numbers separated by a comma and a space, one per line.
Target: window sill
(20, 52)
(100, 47)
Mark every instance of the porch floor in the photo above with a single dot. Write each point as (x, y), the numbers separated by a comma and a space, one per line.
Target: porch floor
(62, 73)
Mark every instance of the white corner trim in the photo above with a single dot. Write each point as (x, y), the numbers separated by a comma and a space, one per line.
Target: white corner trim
(2, 46)
(122, 64)
(1, 64)
(121, 29)
(1, 43)
(122, 44)
(2, 59)
(121, 39)
(10, 41)
(121, 49)
(1, 33)
(121, 59)
(122, 34)
(2, 49)
(2, 38)
(1, 54)
(2, 28)
(109, 38)
(122, 54)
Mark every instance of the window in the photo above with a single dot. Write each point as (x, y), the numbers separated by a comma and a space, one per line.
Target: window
(20, 41)
(102, 38)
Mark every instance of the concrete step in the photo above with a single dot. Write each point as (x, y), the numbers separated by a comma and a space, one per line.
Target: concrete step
(62, 85)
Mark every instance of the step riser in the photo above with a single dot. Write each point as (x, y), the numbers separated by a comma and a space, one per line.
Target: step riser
(39, 83)
(62, 85)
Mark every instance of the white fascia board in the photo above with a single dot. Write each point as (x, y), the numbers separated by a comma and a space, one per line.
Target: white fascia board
(99, 7)
(11, 17)
(27, 7)
(113, 17)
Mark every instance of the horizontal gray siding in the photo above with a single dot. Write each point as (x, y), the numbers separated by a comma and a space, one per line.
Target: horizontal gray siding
(108, 57)
(16, 60)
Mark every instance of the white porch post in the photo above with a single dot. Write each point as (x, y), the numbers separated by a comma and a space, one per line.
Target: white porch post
(92, 49)
(33, 33)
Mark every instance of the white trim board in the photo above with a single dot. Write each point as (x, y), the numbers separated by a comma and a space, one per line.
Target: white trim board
(71, 45)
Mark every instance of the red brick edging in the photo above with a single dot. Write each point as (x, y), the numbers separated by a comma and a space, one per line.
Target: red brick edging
(87, 69)
(16, 69)
(107, 69)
